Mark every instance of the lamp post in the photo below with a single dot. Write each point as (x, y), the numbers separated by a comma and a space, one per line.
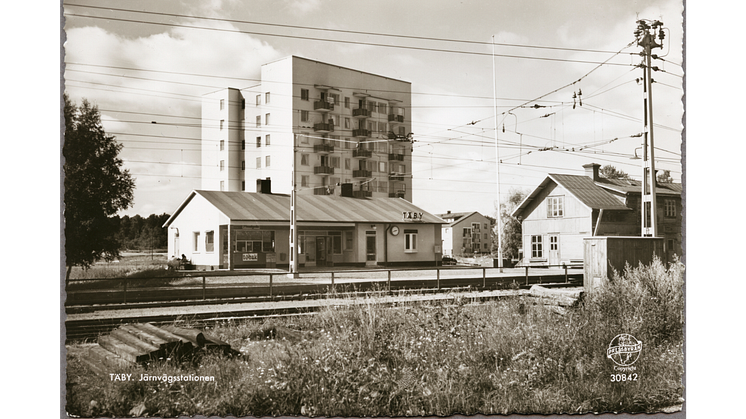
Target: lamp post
(497, 162)
(293, 265)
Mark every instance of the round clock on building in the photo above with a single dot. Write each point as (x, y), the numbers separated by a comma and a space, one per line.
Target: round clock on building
(394, 230)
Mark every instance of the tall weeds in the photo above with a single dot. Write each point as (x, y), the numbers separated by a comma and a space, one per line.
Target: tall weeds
(438, 358)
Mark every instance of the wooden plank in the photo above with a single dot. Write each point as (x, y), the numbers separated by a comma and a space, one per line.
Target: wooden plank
(129, 339)
(161, 333)
(120, 348)
(109, 359)
(173, 347)
(145, 336)
(192, 335)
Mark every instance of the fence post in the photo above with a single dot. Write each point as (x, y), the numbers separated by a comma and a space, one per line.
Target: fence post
(270, 285)
(437, 276)
(125, 291)
(332, 279)
(484, 278)
(389, 281)
(565, 265)
(204, 293)
(526, 275)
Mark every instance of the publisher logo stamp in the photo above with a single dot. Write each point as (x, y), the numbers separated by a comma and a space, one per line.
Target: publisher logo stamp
(624, 350)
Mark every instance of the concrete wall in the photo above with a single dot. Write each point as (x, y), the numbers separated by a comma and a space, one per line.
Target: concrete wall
(222, 120)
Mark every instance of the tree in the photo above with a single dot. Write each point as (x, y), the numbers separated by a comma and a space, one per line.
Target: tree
(611, 172)
(96, 187)
(665, 177)
(512, 231)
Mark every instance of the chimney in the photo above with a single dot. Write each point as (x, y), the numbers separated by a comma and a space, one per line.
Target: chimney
(264, 186)
(449, 211)
(347, 190)
(591, 170)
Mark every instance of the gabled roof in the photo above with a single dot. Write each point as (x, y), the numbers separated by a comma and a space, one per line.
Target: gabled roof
(581, 187)
(453, 218)
(246, 206)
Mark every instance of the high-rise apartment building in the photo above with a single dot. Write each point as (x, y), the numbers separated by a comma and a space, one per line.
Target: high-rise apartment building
(346, 129)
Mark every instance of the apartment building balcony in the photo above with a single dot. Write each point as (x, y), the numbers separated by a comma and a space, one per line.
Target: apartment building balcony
(362, 154)
(396, 118)
(362, 194)
(361, 113)
(323, 106)
(361, 133)
(362, 173)
(323, 190)
(323, 170)
(396, 157)
(396, 194)
(323, 127)
(396, 176)
(323, 148)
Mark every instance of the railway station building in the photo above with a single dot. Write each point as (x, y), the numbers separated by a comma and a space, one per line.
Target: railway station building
(234, 230)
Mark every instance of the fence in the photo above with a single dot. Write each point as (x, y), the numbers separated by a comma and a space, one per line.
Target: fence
(263, 284)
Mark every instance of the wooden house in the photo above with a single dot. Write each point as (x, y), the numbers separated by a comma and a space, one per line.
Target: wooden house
(564, 209)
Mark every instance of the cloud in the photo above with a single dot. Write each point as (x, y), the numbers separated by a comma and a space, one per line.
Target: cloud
(301, 7)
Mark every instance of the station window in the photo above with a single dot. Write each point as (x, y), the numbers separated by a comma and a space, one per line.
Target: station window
(196, 241)
(209, 241)
(410, 241)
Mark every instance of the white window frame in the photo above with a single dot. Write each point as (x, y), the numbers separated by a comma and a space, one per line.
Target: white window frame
(555, 207)
(537, 247)
(410, 241)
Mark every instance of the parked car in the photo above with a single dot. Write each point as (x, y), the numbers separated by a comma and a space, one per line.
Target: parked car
(447, 260)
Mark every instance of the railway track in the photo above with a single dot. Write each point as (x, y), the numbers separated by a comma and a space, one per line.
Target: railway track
(209, 311)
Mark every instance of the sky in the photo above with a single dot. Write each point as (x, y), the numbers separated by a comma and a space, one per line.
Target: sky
(146, 64)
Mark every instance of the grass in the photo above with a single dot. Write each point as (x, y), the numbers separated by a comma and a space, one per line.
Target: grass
(425, 359)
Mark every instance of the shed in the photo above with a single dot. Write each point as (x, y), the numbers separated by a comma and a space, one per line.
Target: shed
(602, 255)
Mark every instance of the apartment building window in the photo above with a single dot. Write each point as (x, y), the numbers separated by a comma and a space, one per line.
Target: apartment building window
(382, 107)
(536, 247)
(222, 104)
(222, 185)
(334, 98)
(222, 124)
(304, 181)
(555, 206)
(222, 165)
(243, 103)
(243, 185)
(347, 143)
(258, 121)
(347, 164)
(335, 120)
(258, 162)
(304, 159)
(382, 166)
(266, 140)
(222, 145)
(266, 119)
(304, 138)
(209, 241)
(383, 186)
(401, 131)
(382, 127)
(258, 100)
(266, 161)
(266, 98)
(196, 241)
(303, 94)
(410, 241)
(258, 142)
(243, 144)
(347, 123)
(334, 161)
(347, 102)
(304, 116)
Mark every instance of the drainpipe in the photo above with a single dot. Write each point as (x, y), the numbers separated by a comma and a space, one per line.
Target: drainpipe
(598, 221)
(386, 245)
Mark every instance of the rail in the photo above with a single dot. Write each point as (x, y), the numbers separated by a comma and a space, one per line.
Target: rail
(98, 291)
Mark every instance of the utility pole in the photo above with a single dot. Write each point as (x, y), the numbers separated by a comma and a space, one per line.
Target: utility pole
(293, 220)
(646, 38)
(497, 162)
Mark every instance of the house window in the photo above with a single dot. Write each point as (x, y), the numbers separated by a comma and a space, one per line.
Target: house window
(266, 97)
(555, 206)
(196, 241)
(304, 116)
(222, 104)
(266, 119)
(536, 247)
(222, 145)
(303, 94)
(266, 139)
(258, 162)
(553, 242)
(266, 161)
(209, 241)
(258, 121)
(304, 180)
(410, 241)
(258, 100)
(670, 206)
(222, 123)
